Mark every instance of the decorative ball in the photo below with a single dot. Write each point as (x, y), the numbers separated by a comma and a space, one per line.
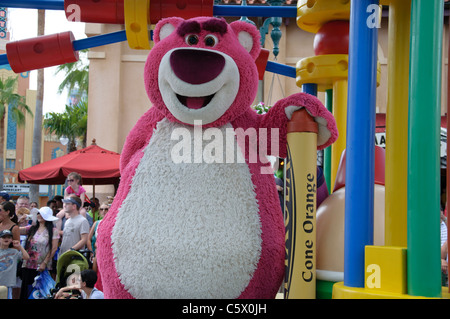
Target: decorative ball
(332, 38)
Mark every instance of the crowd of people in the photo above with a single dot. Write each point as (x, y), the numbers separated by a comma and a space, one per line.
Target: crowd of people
(33, 238)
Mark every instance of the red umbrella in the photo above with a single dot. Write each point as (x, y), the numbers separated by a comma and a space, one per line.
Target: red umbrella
(96, 165)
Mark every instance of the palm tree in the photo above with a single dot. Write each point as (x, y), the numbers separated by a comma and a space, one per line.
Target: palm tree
(17, 109)
(37, 130)
(77, 77)
(72, 123)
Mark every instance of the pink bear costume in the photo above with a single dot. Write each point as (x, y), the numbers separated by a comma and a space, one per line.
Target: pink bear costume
(197, 214)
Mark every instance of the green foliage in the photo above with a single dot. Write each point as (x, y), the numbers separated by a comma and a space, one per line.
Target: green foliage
(261, 108)
(72, 123)
(77, 76)
(9, 97)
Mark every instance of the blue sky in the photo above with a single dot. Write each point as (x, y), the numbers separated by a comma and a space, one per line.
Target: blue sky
(55, 22)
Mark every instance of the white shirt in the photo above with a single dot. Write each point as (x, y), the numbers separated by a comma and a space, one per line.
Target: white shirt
(95, 294)
(443, 233)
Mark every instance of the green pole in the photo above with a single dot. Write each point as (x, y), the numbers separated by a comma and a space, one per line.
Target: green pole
(423, 257)
(327, 151)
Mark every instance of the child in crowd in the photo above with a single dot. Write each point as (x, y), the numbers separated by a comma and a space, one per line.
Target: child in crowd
(9, 257)
(74, 180)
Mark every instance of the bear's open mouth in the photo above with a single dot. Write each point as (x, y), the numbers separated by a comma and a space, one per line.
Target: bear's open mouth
(195, 102)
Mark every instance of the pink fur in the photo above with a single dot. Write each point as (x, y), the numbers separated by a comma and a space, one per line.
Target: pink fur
(130, 158)
(314, 107)
(229, 44)
(268, 276)
(269, 273)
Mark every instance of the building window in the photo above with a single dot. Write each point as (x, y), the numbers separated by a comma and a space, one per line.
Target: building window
(10, 163)
(11, 133)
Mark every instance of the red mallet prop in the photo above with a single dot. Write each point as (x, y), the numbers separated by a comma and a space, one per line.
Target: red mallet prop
(95, 11)
(112, 11)
(41, 52)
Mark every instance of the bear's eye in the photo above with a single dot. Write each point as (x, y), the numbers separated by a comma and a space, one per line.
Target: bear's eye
(191, 39)
(211, 40)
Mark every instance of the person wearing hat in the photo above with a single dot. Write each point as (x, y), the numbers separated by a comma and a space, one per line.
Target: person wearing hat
(41, 244)
(76, 228)
(9, 258)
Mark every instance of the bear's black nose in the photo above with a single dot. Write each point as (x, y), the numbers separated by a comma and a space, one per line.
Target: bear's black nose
(196, 66)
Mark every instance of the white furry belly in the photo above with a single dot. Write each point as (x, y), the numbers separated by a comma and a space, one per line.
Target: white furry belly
(187, 230)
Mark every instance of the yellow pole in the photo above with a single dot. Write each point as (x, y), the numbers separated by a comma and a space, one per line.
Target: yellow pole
(397, 124)
(340, 114)
(301, 190)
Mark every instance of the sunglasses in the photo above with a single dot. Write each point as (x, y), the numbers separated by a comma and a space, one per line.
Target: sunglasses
(104, 209)
(70, 180)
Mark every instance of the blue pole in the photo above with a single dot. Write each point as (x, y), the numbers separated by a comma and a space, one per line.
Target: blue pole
(120, 36)
(255, 11)
(362, 76)
(281, 69)
(310, 88)
(99, 40)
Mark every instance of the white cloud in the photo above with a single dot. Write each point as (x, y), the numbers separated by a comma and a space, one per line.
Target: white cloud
(23, 25)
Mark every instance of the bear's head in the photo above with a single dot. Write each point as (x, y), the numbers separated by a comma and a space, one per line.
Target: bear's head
(202, 69)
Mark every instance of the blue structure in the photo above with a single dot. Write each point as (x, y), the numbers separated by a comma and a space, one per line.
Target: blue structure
(362, 79)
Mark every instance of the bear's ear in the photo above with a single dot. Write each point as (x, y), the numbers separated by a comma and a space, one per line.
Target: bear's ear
(248, 37)
(165, 27)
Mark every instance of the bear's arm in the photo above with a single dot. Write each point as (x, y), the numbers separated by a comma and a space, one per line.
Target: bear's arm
(273, 124)
(328, 132)
(270, 127)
